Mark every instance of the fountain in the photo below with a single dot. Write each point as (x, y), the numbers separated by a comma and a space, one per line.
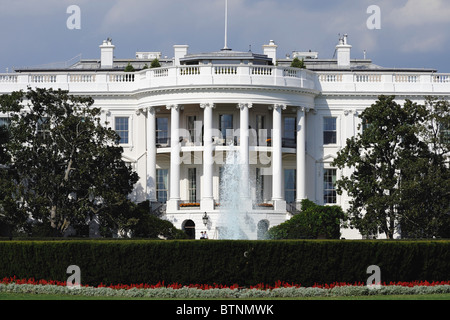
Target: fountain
(235, 200)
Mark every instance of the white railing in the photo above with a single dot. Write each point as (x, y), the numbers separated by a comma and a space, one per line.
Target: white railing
(122, 77)
(160, 72)
(263, 71)
(330, 77)
(225, 70)
(43, 78)
(367, 77)
(8, 78)
(441, 78)
(82, 78)
(333, 81)
(189, 71)
(410, 78)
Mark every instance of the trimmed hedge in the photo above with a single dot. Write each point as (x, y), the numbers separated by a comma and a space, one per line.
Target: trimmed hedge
(246, 263)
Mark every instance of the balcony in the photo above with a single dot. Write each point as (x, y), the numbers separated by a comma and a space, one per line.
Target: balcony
(200, 75)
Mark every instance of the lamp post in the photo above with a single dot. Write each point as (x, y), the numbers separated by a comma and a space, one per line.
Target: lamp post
(205, 219)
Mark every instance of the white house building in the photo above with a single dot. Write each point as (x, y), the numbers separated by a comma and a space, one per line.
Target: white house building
(178, 122)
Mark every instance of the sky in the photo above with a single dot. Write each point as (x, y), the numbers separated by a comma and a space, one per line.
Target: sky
(397, 34)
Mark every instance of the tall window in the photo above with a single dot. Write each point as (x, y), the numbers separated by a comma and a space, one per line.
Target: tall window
(226, 124)
(444, 130)
(259, 185)
(290, 132)
(162, 131)
(192, 176)
(4, 122)
(122, 129)
(329, 131)
(289, 185)
(43, 127)
(261, 134)
(191, 127)
(329, 186)
(162, 185)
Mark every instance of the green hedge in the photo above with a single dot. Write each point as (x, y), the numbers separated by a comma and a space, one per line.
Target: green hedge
(226, 262)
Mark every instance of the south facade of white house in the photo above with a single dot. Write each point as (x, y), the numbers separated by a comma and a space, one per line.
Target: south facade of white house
(177, 122)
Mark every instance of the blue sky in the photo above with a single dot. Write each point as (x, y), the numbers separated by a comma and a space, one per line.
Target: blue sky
(413, 34)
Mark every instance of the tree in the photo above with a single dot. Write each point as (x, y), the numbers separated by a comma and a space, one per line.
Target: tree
(155, 63)
(389, 161)
(297, 63)
(426, 179)
(313, 221)
(65, 165)
(129, 68)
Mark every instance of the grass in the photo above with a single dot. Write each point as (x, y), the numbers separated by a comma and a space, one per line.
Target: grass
(24, 296)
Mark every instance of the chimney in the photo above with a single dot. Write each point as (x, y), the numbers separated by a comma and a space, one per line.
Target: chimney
(271, 51)
(107, 54)
(343, 52)
(180, 51)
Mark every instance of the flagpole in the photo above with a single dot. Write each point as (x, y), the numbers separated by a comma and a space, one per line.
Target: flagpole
(226, 25)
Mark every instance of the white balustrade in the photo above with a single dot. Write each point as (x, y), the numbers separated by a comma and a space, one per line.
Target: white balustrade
(331, 77)
(367, 77)
(189, 71)
(410, 78)
(441, 78)
(8, 78)
(266, 71)
(122, 77)
(82, 78)
(225, 70)
(43, 78)
(160, 72)
(344, 81)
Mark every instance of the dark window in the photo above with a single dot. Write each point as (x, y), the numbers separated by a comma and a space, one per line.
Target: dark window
(329, 131)
(329, 186)
(122, 129)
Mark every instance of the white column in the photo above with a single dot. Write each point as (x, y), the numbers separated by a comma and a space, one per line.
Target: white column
(277, 165)
(175, 148)
(151, 154)
(244, 147)
(207, 201)
(301, 154)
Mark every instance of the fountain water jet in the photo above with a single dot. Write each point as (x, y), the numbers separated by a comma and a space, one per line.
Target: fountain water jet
(235, 200)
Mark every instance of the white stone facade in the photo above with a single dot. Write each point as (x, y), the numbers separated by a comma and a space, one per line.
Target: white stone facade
(288, 123)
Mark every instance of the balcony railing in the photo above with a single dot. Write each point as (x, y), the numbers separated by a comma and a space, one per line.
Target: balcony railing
(86, 81)
(204, 75)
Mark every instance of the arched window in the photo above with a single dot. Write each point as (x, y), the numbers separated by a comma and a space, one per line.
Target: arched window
(189, 228)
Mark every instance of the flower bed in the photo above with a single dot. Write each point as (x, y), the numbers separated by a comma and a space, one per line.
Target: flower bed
(278, 290)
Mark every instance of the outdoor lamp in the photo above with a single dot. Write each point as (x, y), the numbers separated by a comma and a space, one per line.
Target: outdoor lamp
(205, 219)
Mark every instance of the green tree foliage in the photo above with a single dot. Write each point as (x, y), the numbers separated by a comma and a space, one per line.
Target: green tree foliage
(297, 63)
(312, 222)
(129, 68)
(64, 165)
(395, 184)
(155, 63)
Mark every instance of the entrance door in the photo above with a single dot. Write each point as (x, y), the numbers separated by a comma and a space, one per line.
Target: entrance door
(189, 228)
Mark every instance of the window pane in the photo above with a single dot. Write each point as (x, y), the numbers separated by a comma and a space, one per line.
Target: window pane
(329, 186)
(191, 127)
(289, 185)
(226, 123)
(290, 133)
(192, 175)
(162, 131)
(162, 185)
(122, 129)
(329, 131)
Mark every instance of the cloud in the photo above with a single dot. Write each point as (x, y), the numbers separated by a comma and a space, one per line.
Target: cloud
(420, 13)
